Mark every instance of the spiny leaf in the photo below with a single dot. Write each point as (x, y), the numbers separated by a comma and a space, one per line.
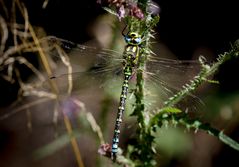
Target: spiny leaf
(210, 130)
(227, 140)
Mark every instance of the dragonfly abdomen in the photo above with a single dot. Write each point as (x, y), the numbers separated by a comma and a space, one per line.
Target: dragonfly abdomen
(121, 109)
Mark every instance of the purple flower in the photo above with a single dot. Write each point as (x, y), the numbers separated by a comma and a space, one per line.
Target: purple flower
(121, 12)
(124, 8)
(69, 107)
(136, 11)
(105, 149)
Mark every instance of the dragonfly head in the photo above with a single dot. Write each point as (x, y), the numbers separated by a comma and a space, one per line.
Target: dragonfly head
(133, 38)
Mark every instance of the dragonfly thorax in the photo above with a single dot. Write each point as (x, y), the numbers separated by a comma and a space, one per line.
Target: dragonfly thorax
(131, 55)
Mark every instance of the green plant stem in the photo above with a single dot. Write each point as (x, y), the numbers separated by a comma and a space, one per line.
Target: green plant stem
(201, 77)
(142, 153)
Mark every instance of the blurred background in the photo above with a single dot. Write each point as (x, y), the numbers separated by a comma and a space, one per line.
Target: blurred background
(186, 30)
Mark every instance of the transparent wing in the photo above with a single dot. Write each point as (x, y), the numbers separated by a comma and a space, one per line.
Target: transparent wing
(81, 81)
(166, 77)
(81, 57)
(172, 73)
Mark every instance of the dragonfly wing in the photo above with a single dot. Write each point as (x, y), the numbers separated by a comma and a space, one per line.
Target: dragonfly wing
(81, 56)
(166, 77)
(80, 65)
(97, 77)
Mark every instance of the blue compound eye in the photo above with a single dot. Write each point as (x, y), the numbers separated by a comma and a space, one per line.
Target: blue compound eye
(138, 40)
(127, 39)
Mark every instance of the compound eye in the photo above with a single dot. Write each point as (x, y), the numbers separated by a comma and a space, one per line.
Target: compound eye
(127, 39)
(138, 40)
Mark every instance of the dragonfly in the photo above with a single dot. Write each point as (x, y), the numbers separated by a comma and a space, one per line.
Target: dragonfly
(131, 57)
(159, 72)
